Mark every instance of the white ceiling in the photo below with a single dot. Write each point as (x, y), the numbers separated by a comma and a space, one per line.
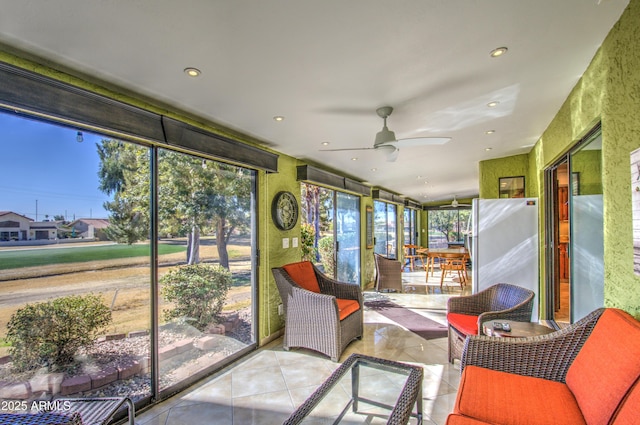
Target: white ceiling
(326, 65)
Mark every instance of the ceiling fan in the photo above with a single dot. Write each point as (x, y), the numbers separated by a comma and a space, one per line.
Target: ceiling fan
(455, 204)
(387, 143)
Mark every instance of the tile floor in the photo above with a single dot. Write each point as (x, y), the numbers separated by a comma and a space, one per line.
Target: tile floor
(266, 386)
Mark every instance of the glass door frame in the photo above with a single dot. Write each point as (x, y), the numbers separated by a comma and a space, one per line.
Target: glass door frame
(332, 211)
(341, 242)
(552, 228)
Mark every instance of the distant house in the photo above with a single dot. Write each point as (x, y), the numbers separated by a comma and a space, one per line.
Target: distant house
(89, 228)
(14, 227)
(43, 230)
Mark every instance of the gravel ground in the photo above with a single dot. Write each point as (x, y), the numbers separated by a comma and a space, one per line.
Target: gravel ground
(108, 353)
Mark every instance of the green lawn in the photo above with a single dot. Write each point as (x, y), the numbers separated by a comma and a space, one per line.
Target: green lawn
(46, 256)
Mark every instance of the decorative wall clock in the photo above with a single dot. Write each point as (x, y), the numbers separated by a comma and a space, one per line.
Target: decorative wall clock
(284, 210)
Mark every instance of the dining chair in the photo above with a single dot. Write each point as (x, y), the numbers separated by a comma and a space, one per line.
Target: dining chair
(411, 254)
(453, 262)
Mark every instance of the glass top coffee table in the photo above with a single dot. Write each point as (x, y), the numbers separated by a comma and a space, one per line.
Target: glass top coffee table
(365, 390)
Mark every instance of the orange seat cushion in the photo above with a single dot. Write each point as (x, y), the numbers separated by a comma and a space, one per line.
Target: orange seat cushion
(454, 419)
(346, 307)
(629, 412)
(509, 399)
(465, 323)
(607, 366)
(302, 273)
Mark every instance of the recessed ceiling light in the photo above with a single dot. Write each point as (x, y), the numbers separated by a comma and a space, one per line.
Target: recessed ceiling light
(487, 149)
(489, 132)
(374, 169)
(498, 52)
(278, 118)
(192, 72)
(325, 143)
(354, 159)
(493, 104)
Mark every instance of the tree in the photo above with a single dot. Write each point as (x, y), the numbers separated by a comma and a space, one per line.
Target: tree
(316, 203)
(195, 196)
(124, 172)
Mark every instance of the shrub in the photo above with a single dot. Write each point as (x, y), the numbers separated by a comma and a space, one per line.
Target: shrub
(50, 333)
(198, 292)
(325, 247)
(308, 239)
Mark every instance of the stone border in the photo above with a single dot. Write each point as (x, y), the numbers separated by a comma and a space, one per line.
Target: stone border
(54, 384)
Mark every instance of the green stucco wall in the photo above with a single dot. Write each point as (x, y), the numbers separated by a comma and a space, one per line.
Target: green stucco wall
(493, 169)
(609, 92)
(270, 242)
(588, 166)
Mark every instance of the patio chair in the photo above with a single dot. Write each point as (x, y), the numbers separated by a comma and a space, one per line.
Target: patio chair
(466, 314)
(388, 274)
(321, 313)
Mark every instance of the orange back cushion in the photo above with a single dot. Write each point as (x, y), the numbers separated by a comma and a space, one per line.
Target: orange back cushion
(606, 366)
(302, 273)
(630, 410)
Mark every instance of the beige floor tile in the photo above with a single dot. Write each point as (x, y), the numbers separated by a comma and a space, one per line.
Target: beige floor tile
(257, 381)
(260, 409)
(267, 386)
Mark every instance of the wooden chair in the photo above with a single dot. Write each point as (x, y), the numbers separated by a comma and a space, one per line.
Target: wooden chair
(411, 255)
(320, 313)
(454, 262)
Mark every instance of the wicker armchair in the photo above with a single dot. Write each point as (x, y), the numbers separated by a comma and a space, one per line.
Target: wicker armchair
(466, 314)
(545, 356)
(388, 274)
(325, 317)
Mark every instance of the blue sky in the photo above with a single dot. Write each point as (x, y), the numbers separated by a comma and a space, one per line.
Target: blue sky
(42, 164)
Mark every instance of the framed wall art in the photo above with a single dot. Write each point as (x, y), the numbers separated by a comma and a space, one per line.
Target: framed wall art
(511, 187)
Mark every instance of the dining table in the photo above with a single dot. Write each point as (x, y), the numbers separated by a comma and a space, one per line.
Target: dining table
(459, 253)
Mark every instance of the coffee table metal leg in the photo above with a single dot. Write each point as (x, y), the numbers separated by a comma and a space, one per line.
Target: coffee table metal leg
(355, 385)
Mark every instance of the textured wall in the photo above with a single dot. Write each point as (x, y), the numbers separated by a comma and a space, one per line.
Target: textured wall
(493, 169)
(270, 242)
(609, 91)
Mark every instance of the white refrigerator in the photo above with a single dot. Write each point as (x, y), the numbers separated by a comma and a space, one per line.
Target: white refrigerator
(504, 245)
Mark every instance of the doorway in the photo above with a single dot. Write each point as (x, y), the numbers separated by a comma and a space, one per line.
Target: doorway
(574, 232)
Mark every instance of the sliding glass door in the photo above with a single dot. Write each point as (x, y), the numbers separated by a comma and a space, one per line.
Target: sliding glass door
(347, 237)
(575, 232)
(123, 262)
(587, 228)
(331, 231)
(385, 229)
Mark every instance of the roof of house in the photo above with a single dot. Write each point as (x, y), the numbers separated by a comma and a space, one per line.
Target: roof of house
(97, 223)
(14, 213)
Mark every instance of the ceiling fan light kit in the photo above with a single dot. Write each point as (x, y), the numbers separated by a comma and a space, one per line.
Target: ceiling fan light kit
(387, 143)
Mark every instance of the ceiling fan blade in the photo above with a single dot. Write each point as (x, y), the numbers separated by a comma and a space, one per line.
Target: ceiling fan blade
(345, 149)
(422, 141)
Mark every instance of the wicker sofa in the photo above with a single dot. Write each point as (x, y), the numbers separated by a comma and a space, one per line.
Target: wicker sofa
(587, 373)
(466, 314)
(321, 313)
